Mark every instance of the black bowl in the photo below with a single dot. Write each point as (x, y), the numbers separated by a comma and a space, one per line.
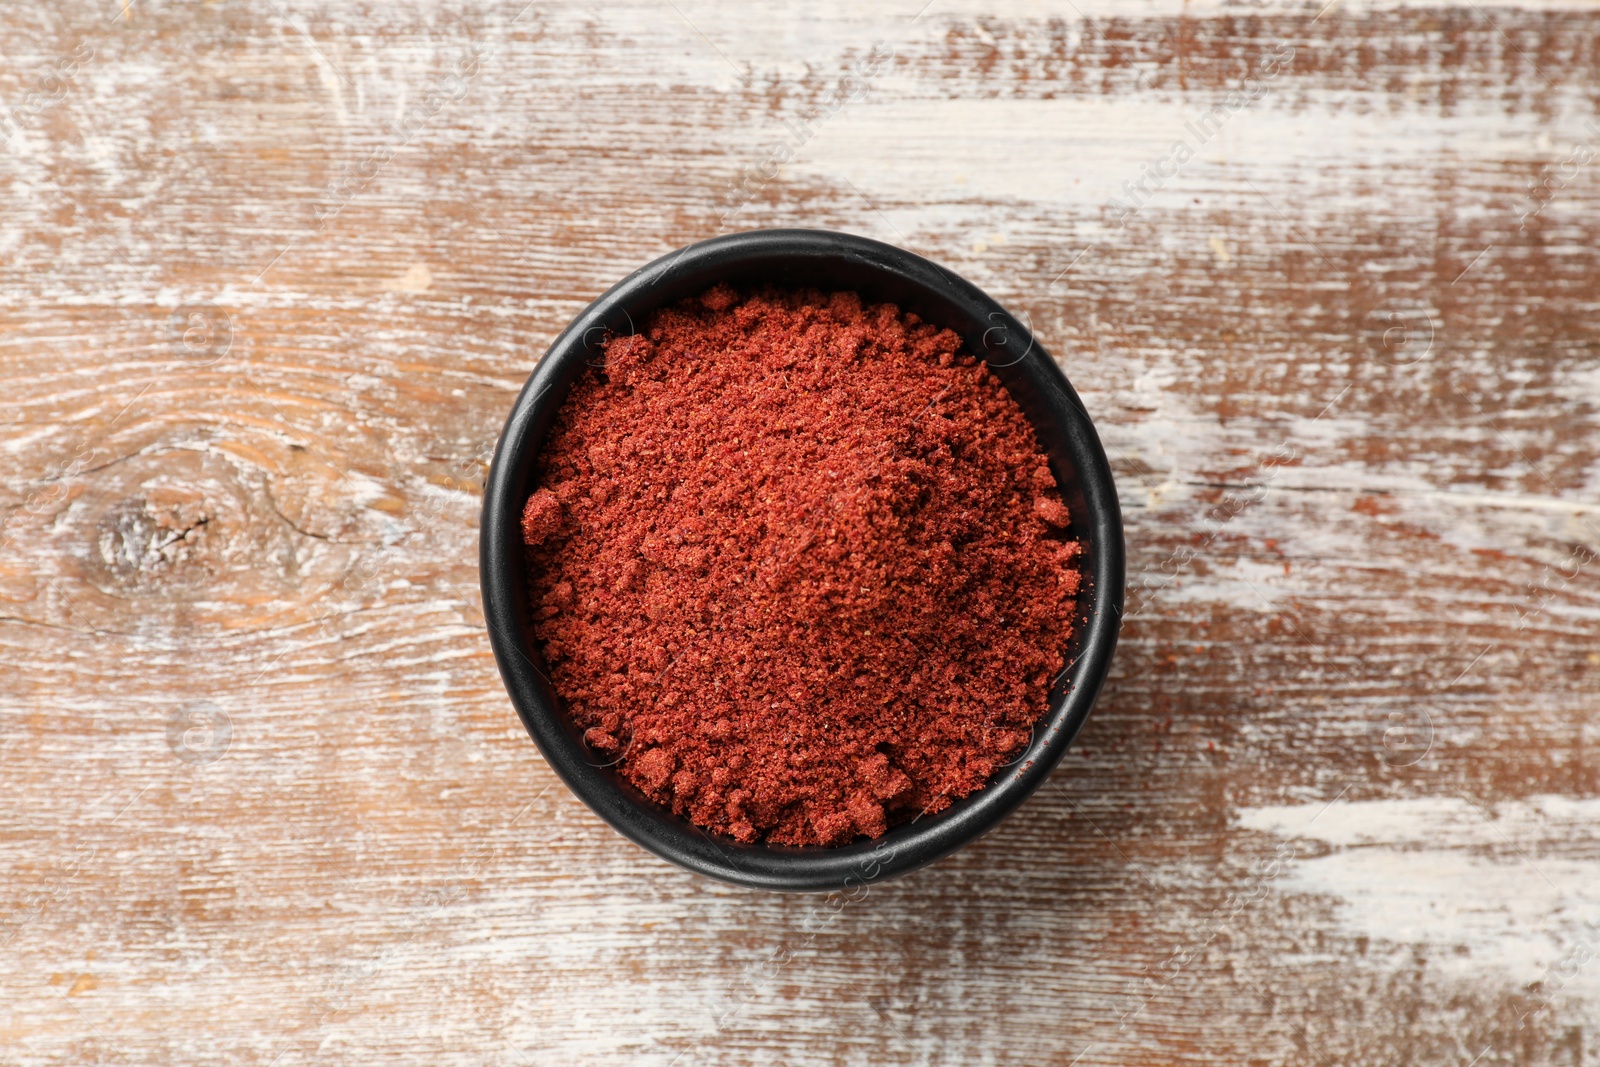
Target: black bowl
(879, 272)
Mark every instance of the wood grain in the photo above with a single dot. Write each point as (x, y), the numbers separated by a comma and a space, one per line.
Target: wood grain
(271, 273)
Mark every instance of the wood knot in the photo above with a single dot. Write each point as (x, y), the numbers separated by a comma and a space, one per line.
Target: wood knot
(153, 537)
(193, 529)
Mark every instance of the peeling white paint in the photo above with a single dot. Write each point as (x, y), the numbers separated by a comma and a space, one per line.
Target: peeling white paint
(1497, 893)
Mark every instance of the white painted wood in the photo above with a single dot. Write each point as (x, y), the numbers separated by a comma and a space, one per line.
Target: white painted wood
(265, 303)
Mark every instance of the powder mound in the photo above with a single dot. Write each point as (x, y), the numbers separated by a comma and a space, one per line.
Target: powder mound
(541, 517)
(799, 567)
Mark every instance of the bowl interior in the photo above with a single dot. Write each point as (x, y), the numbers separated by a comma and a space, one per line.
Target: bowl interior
(828, 261)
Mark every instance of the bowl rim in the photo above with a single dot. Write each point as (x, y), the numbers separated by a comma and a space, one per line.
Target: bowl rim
(651, 826)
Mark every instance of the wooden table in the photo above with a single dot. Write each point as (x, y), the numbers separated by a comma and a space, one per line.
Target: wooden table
(271, 273)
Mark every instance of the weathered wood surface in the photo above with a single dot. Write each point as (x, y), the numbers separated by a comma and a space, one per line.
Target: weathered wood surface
(265, 302)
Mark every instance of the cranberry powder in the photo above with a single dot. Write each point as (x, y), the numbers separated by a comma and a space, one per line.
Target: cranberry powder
(799, 567)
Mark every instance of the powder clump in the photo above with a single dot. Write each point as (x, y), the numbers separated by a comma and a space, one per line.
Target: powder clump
(800, 568)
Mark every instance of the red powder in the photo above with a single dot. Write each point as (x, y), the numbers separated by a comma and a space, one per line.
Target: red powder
(799, 567)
